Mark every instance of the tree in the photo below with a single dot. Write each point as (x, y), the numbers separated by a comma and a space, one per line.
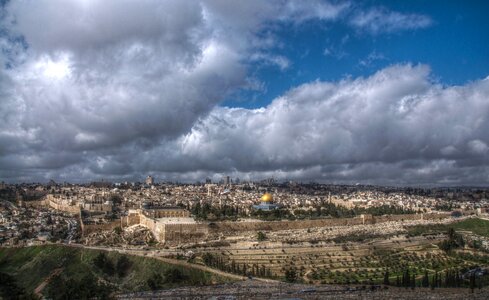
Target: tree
(386, 277)
(174, 275)
(260, 236)
(208, 259)
(104, 264)
(118, 230)
(116, 199)
(85, 288)
(472, 282)
(291, 275)
(425, 282)
(9, 289)
(406, 278)
(122, 266)
(155, 281)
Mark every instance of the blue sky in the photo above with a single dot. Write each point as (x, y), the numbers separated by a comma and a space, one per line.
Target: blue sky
(455, 45)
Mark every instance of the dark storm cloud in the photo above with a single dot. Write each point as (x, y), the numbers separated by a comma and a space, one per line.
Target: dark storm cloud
(120, 89)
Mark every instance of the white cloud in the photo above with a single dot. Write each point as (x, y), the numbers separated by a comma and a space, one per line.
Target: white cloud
(371, 58)
(280, 61)
(117, 89)
(380, 20)
(347, 129)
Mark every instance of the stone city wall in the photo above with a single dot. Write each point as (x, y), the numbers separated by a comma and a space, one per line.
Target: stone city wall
(132, 218)
(90, 227)
(100, 207)
(390, 218)
(74, 209)
(148, 222)
(282, 225)
(34, 204)
(304, 224)
(176, 233)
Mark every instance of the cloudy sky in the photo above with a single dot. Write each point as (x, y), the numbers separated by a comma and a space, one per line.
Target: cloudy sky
(393, 92)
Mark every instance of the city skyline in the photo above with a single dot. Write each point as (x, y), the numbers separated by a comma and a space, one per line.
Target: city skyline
(371, 92)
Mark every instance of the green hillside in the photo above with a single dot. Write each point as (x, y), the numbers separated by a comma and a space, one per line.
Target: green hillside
(475, 225)
(94, 271)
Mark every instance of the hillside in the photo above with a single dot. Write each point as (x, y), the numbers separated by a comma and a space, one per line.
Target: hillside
(74, 271)
(475, 225)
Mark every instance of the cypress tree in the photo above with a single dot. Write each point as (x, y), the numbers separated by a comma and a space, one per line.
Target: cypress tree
(472, 282)
(386, 278)
(425, 281)
(407, 278)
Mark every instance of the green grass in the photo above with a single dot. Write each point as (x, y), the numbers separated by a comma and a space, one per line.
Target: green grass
(475, 225)
(30, 265)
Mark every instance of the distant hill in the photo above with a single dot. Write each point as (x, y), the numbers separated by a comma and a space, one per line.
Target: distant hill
(67, 272)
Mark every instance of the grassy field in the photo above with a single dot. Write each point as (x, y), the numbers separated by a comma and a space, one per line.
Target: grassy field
(475, 225)
(29, 266)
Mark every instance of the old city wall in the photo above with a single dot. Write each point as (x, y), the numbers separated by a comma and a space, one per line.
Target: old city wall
(148, 222)
(100, 207)
(132, 218)
(283, 225)
(390, 218)
(304, 224)
(74, 209)
(58, 205)
(438, 216)
(174, 233)
(185, 232)
(89, 228)
(35, 203)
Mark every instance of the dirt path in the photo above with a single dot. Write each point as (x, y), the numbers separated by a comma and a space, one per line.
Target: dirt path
(180, 263)
(207, 269)
(42, 285)
(201, 267)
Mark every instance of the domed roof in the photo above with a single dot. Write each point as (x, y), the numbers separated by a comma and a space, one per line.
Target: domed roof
(267, 197)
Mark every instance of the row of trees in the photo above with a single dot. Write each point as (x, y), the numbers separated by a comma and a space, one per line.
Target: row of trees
(454, 241)
(218, 262)
(451, 278)
(214, 213)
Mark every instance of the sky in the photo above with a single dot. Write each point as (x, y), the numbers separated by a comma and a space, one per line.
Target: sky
(371, 92)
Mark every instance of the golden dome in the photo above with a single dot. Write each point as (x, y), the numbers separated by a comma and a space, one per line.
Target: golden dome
(267, 197)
